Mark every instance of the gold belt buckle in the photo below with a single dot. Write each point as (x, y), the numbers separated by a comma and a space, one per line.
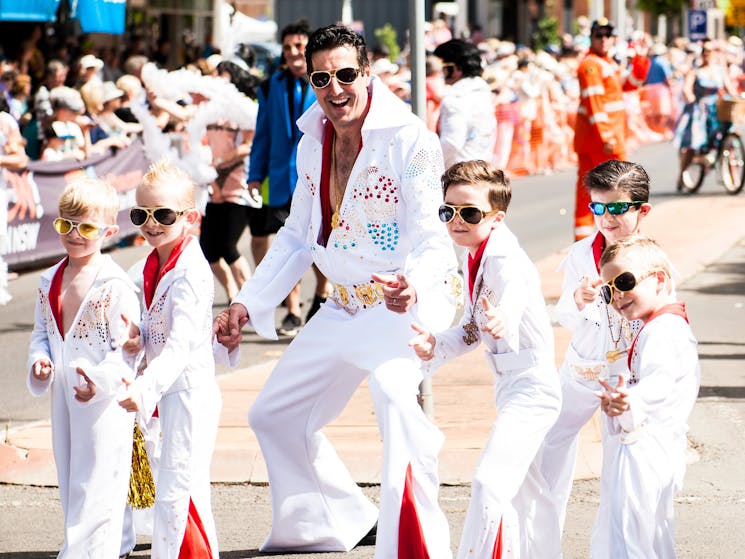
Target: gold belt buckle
(588, 373)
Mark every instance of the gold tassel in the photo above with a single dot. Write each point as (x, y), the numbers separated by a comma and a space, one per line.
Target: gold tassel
(141, 484)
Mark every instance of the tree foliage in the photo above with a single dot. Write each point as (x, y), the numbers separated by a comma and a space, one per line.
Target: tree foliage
(388, 38)
(661, 7)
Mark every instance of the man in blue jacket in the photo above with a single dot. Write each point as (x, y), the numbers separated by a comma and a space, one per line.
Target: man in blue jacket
(283, 97)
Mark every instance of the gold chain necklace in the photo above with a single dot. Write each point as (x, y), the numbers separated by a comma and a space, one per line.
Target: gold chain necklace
(615, 354)
(339, 196)
(471, 328)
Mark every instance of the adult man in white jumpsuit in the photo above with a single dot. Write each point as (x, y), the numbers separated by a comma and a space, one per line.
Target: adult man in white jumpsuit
(365, 212)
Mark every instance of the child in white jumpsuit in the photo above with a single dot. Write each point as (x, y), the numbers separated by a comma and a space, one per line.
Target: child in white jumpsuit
(505, 311)
(649, 410)
(178, 291)
(619, 193)
(76, 351)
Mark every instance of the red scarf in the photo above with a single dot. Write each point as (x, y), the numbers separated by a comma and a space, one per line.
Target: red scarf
(55, 301)
(150, 275)
(598, 245)
(678, 309)
(474, 263)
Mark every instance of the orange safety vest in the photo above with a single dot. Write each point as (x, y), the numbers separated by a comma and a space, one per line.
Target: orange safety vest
(601, 115)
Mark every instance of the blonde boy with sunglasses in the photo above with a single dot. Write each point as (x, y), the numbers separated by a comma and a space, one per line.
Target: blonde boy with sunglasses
(647, 410)
(506, 312)
(76, 351)
(619, 194)
(177, 294)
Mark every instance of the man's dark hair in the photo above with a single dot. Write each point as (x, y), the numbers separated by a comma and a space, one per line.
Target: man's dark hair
(465, 56)
(300, 27)
(244, 81)
(331, 37)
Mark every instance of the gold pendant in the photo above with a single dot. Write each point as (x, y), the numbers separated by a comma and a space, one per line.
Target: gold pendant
(335, 219)
(614, 355)
(470, 329)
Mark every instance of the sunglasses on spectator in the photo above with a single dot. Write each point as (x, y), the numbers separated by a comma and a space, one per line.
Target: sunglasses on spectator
(614, 208)
(346, 76)
(602, 35)
(623, 282)
(163, 216)
(469, 214)
(87, 230)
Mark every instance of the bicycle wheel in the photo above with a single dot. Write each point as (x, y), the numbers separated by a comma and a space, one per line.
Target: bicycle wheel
(691, 177)
(732, 161)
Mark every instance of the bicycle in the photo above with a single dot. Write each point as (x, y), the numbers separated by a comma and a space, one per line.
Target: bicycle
(728, 158)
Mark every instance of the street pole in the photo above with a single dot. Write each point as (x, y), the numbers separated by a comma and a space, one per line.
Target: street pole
(417, 56)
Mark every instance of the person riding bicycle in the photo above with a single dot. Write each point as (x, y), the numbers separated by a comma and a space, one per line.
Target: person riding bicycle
(699, 130)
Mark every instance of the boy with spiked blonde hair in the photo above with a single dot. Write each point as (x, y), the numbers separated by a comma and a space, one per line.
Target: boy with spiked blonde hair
(76, 350)
(648, 411)
(177, 294)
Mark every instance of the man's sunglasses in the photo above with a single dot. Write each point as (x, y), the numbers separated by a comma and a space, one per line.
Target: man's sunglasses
(602, 35)
(90, 231)
(614, 208)
(346, 76)
(623, 282)
(469, 214)
(164, 216)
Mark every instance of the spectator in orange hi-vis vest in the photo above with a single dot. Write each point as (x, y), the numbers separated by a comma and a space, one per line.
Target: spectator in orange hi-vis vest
(601, 118)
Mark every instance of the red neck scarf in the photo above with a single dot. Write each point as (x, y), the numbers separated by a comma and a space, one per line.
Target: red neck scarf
(151, 276)
(55, 299)
(598, 245)
(678, 309)
(474, 263)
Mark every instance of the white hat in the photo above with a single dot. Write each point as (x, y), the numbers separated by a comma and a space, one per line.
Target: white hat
(111, 92)
(382, 66)
(213, 61)
(90, 61)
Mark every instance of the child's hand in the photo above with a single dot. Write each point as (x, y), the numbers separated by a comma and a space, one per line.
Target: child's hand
(496, 324)
(84, 393)
(132, 399)
(587, 292)
(133, 343)
(42, 369)
(423, 343)
(228, 324)
(615, 400)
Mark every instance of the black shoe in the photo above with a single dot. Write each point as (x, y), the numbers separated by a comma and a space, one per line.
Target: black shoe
(290, 325)
(314, 306)
(370, 537)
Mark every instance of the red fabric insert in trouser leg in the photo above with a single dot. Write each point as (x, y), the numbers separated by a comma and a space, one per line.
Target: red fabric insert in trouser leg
(195, 544)
(411, 544)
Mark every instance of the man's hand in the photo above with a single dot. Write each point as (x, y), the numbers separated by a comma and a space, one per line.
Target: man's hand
(496, 324)
(133, 344)
(42, 369)
(228, 324)
(84, 393)
(423, 343)
(587, 292)
(132, 399)
(615, 400)
(609, 146)
(399, 295)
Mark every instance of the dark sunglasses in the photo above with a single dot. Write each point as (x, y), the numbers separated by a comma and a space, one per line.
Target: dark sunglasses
(164, 216)
(602, 35)
(469, 214)
(346, 76)
(87, 230)
(623, 282)
(614, 208)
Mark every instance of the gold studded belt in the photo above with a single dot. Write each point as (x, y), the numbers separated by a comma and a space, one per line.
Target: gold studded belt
(354, 298)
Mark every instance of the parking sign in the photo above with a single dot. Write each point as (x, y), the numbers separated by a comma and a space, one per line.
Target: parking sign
(696, 24)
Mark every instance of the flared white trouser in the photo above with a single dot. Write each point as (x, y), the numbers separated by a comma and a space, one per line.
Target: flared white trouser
(188, 421)
(316, 505)
(579, 404)
(508, 487)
